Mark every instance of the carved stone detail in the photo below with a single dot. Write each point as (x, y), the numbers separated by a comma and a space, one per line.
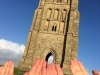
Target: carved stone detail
(42, 2)
(49, 1)
(48, 15)
(63, 15)
(61, 29)
(38, 19)
(56, 14)
(46, 26)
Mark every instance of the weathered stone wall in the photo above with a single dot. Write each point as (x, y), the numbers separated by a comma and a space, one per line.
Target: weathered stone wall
(54, 29)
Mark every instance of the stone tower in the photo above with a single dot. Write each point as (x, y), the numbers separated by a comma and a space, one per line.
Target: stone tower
(54, 30)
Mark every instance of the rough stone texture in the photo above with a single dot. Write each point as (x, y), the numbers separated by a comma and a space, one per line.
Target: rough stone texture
(54, 29)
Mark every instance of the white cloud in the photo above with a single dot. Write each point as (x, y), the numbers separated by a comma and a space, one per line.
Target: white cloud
(17, 48)
(10, 51)
(13, 51)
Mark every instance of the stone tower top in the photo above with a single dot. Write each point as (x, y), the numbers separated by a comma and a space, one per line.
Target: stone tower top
(73, 3)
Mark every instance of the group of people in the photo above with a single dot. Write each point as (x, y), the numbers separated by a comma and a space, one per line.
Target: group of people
(40, 67)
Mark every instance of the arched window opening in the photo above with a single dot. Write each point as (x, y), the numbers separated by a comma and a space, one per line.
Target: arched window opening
(49, 58)
(54, 27)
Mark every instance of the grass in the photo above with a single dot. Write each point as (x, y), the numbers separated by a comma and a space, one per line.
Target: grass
(17, 71)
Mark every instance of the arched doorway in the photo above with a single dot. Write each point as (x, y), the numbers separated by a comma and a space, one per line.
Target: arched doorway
(49, 58)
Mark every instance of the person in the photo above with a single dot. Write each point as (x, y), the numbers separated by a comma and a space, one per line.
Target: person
(39, 68)
(77, 68)
(95, 72)
(7, 69)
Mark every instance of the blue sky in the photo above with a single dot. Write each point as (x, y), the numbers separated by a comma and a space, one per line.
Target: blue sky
(16, 18)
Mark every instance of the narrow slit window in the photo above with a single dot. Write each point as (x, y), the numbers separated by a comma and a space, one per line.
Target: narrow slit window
(55, 28)
(52, 28)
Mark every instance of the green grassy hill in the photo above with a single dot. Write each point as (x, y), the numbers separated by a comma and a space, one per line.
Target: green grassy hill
(18, 71)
